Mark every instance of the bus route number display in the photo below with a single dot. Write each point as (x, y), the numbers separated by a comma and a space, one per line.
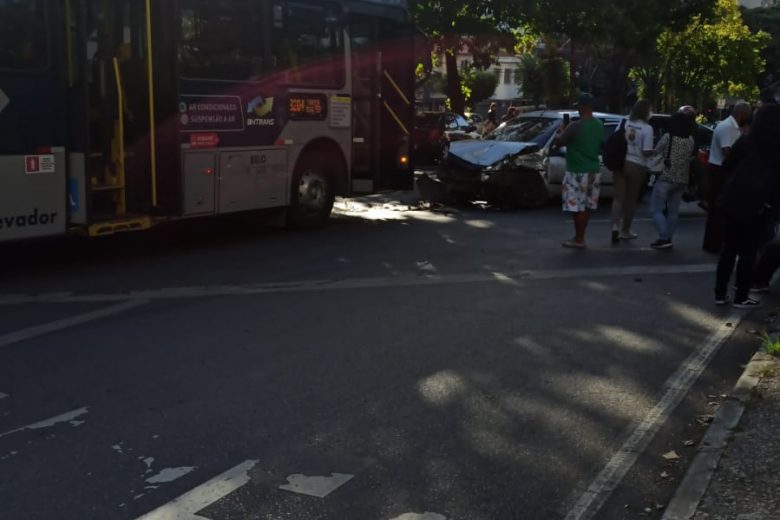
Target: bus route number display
(308, 107)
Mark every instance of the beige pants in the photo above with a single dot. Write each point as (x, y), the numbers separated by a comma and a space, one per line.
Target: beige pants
(628, 185)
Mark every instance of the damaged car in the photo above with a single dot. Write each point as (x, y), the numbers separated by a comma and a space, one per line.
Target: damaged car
(511, 166)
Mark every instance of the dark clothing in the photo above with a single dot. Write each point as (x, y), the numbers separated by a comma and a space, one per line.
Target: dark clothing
(768, 263)
(492, 117)
(740, 240)
(713, 231)
(750, 191)
(748, 202)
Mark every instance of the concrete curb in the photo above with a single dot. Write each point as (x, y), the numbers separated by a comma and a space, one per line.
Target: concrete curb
(686, 499)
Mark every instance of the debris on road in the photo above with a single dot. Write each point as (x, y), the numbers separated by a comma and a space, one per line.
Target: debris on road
(672, 455)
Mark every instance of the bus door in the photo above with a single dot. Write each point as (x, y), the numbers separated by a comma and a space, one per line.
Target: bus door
(117, 162)
(382, 100)
(33, 120)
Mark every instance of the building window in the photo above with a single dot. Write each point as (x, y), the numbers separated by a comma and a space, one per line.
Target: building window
(507, 76)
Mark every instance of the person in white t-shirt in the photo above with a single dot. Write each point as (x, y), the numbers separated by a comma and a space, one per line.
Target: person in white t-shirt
(723, 138)
(628, 183)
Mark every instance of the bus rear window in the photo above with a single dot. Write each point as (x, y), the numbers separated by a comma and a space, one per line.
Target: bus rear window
(23, 36)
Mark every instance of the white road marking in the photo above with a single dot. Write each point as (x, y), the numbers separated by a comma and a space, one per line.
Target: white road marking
(185, 507)
(148, 461)
(609, 221)
(356, 283)
(170, 474)
(48, 423)
(54, 326)
(416, 516)
(319, 487)
(677, 386)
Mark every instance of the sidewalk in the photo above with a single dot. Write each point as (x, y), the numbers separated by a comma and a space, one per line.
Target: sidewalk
(737, 467)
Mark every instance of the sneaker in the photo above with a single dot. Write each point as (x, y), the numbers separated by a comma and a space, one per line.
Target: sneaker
(721, 301)
(628, 236)
(759, 289)
(747, 303)
(615, 236)
(661, 244)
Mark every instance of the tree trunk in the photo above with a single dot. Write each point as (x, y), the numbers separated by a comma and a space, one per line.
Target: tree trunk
(457, 100)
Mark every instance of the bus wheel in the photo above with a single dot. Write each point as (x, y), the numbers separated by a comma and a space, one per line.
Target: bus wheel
(312, 197)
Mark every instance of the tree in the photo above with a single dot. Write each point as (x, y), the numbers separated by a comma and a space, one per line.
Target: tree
(479, 26)
(767, 19)
(613, 35)
(708, 59)
(479, 85)
(580, 21)
(544, 78)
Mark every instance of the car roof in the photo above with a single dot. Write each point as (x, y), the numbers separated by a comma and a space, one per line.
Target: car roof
(558, 114)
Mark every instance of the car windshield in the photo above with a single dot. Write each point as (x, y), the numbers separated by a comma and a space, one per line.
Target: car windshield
(536, 130)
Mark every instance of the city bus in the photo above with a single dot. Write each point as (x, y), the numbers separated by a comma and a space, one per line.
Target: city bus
(116, 115)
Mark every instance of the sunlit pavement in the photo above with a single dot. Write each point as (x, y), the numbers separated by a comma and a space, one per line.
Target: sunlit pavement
(407, 362)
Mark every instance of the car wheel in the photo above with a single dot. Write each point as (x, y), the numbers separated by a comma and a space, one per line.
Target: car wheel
(528, 190)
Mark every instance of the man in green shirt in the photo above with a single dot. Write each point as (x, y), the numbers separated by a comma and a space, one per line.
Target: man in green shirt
(582, 182)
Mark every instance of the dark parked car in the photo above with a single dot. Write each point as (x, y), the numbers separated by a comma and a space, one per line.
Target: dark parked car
(434, 131)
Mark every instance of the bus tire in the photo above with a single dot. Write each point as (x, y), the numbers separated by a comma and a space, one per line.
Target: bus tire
(312, 194)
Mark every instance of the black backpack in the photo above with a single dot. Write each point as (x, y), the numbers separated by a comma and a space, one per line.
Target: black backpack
(615, 149)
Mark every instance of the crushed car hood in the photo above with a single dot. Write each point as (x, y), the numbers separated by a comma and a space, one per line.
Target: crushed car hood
(485, 153)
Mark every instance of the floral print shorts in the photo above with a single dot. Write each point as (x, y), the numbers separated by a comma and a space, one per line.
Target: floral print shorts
(580, 191)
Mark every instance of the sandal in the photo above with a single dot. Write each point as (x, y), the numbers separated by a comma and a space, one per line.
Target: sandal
(573, 244)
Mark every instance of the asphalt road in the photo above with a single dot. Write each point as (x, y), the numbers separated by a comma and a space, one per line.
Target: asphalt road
(401, 364)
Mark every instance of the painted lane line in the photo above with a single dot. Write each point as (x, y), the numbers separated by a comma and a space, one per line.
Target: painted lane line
(185, 507)
(677, 386)
(169, 474)
(69, 417)
(319, 487)
(420, 280)
(417, 516)
(609, 221)
(73, 321)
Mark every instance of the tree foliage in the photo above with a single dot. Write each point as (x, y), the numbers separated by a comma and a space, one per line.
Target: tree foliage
(545, 79)
(479, 85)
(612, 35)
(767, 19)
(709, 58)
(480, 26)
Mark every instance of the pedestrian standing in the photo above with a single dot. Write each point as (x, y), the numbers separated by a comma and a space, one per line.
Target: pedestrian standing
(629, 182)
(675, 149)
(723, 138)
(492, 119)
(582, 181)
(749, 197)
(511, 113)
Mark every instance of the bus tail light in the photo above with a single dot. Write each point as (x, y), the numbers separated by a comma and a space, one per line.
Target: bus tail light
(403, 153)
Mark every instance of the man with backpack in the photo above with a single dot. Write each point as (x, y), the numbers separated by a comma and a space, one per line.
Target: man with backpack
(582, 181)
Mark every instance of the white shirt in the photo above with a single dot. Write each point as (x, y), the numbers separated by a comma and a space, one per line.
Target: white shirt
(724, 136)
(639, 136)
